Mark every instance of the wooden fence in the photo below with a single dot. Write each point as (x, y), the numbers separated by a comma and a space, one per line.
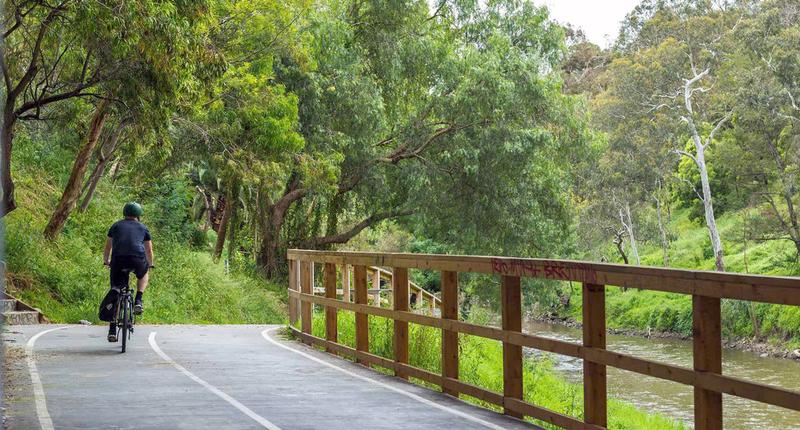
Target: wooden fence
(706, 289)
(421, 298)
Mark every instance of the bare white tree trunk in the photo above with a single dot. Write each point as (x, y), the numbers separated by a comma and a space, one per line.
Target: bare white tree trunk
(708, 209)
(627, 222)
(662, 228)
(699, 159)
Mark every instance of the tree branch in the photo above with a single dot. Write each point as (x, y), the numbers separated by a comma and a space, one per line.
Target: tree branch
(346, 236)
(691, 185)
(686, 154)
(75, 92)
(37, 47)
(404, 152)
(716, 128)
(768, 198)
(282, 205)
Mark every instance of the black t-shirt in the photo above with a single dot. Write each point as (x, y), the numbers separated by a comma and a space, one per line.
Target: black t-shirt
(128, 237)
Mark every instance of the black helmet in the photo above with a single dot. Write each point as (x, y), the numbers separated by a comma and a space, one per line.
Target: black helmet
(132, 209)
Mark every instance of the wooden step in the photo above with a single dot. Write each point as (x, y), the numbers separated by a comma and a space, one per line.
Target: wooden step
(8, 305)
(21, 317)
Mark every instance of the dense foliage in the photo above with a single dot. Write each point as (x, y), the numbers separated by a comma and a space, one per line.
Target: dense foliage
(304, 123)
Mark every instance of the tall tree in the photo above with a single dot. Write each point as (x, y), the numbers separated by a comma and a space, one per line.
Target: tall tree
(767, 117)
(154, 49)
(249, 122)
(106, 153)
(72, 189)
(43, 63)
(427, 111)
(668, 78)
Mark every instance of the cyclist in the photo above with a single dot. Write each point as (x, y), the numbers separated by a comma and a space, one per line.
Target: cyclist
(129, 247)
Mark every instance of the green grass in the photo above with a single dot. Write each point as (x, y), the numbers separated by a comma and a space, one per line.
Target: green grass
(67, 280)
(691, 248)
(481, 364)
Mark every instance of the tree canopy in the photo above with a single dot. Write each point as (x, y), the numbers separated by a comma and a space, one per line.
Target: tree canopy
(475, 127)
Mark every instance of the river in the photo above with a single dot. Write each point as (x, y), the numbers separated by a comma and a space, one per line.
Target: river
(676, 400)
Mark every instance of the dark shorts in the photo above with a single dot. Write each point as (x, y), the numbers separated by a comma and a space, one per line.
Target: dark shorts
(123, 265)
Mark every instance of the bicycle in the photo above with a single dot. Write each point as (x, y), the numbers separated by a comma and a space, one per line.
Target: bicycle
(124, 315)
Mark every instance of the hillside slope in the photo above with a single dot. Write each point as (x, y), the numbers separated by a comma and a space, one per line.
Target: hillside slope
(672, 313)
(67, 280)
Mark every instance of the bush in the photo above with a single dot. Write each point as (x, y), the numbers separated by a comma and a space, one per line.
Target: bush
(198, 239)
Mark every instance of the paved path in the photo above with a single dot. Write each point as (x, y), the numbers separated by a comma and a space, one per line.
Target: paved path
(210, 377)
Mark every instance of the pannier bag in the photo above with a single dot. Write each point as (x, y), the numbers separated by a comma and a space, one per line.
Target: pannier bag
(107, 306)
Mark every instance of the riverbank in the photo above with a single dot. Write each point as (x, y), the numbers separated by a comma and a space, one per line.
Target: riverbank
(676, 400)
(748, 345)
(758, 327)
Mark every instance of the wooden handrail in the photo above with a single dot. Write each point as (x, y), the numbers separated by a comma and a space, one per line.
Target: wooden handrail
(758, 288)
(706, 289)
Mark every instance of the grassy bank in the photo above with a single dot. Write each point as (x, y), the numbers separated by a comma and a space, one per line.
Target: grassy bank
(651, 311)
(665, 312)
(481, 364)
(67, 280)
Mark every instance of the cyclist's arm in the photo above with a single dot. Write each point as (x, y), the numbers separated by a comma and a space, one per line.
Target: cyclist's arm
(148, 251)
(107, 252)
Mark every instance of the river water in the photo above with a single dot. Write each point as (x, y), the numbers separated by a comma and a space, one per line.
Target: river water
(676, 400)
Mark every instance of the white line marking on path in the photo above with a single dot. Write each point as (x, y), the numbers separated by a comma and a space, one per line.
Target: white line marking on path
(38, 391)
(381, 384)
(244, 409)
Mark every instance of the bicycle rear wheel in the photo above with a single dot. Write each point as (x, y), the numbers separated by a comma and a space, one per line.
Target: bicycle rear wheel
(126, 315)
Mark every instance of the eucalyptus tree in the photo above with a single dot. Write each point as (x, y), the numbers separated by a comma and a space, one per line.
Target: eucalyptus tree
(453, 114)
(669, 75)
(43, 63)
(104, 154)
(625, 181)
(244, 129)
(253, 129)
(150, 54)
(767, 118)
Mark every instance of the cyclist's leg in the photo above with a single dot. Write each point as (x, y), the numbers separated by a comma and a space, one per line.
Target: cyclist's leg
(142, 277)
(141, 283)
(119, 278)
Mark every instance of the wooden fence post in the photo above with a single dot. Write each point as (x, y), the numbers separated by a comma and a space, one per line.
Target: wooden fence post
(292, 286)
(362, 319)
(594, 335)
(376, 285)
(331, 313)
(306, 277)
(390, 296)
(346, 282)
(707, 342)
(297, 288)
(400, 303)
(450, 338)
(511, 302)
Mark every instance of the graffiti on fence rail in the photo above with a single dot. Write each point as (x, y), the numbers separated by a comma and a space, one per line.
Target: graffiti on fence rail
(544, 269)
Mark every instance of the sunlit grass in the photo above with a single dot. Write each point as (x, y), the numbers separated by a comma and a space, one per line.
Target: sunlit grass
(67, 280)
(481, 364)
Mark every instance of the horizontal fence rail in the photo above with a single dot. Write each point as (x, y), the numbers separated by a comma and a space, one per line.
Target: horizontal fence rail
(706, 288)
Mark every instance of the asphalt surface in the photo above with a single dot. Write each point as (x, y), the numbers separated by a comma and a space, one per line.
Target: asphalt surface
(210, 377)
